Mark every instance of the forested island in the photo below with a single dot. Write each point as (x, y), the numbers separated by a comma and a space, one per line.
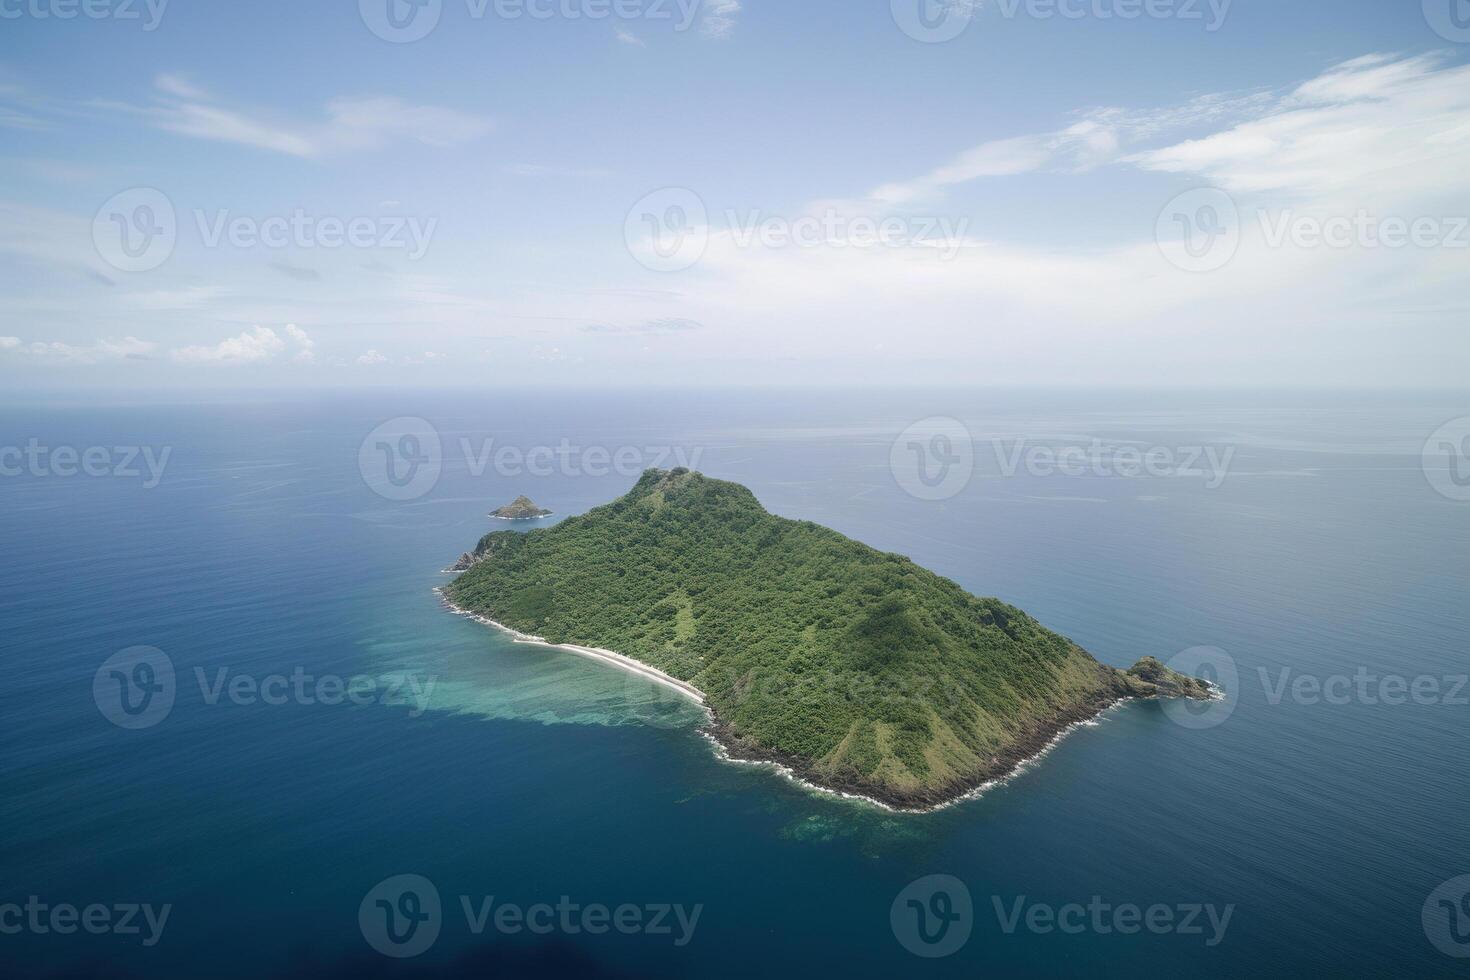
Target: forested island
(859, 670)
(523, 508)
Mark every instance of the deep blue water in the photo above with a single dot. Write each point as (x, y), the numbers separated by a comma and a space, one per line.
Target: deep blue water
(535, 775)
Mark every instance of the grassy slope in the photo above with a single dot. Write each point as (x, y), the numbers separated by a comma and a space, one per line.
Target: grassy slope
(864, 670)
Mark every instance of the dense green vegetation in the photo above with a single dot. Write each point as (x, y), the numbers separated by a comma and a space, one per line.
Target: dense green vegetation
(520, 509)
(861, 669)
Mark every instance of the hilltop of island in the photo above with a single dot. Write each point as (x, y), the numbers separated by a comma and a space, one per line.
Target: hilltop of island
(520, 509)
(860, 671)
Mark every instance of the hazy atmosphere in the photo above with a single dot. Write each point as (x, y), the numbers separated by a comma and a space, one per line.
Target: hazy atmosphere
(665, 191)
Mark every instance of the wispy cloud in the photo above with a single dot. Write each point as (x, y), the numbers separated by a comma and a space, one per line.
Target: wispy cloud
(347, 125)
(1362, 119)
(1099, 138)
(97, 352)
(300, 273)
(663, 325)
(1374, 125)
(553, 170)
(719, 18)
(186, 298)
(628, 37)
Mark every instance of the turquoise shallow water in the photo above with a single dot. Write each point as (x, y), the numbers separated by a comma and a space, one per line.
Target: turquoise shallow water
(530, 775)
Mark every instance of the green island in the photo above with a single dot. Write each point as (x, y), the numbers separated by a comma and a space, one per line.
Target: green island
(523, 508)
(860, 671)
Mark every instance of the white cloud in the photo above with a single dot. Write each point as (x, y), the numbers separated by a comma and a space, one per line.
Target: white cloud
(1373, 118)
(1369, 129)
(254, 346)
(1373, 134)
(1096, 139)
(299, 337)
(9, 343)
(350, 124)
(371, 358)
(257, 345)
(178, 85)
(719, 18)
(628, 37)
(306, 353)
(187, 298)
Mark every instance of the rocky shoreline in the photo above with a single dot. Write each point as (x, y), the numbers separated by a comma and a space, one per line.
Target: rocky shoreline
(1022, 752)
(1017, 756)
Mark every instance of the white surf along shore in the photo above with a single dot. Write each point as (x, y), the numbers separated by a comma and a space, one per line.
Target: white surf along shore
(695, 694)
(595, 653)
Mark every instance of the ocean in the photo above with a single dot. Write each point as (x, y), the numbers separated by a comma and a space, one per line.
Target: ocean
(236, 706)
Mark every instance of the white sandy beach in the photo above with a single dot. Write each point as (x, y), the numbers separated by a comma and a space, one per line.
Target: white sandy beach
(695, 694)
(595, 653)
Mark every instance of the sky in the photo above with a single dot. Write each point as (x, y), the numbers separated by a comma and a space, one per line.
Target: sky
(734, 192)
